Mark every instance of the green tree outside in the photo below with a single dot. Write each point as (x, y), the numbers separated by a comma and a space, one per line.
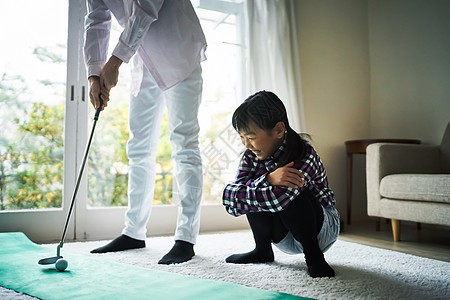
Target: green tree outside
(32, 149)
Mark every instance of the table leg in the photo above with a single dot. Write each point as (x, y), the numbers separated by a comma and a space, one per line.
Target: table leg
(349, 186)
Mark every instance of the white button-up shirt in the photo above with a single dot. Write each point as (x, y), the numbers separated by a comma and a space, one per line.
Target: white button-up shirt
(166, 34)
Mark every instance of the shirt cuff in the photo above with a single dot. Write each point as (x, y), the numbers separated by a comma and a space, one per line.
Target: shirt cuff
(95, 69)
(123, 52)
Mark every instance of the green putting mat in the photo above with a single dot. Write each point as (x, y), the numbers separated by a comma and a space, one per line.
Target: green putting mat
(90, 278)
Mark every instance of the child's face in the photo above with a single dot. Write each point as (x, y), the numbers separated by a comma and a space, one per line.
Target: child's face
(261, 142)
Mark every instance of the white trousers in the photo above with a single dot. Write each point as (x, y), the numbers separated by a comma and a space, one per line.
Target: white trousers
(145, 116)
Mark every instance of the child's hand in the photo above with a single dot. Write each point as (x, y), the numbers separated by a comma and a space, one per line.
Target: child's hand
(286, 176)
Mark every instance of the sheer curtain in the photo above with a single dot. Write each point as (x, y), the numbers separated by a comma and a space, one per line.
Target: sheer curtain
(273, 55)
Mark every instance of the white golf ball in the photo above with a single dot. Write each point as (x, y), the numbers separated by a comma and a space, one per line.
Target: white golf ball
(61, 265)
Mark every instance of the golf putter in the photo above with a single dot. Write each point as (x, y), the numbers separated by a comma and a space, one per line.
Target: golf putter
(54, 259)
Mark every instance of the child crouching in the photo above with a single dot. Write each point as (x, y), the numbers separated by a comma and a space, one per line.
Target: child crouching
(282, 188)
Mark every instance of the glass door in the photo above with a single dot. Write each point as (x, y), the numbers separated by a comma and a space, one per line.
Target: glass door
(33, 68)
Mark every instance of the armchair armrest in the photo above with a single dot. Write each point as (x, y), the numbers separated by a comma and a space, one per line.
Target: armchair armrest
(387, 158)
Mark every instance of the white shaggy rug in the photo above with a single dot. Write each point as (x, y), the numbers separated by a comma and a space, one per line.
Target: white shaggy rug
(362, 272)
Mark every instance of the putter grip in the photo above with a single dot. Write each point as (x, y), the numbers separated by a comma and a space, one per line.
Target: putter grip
(98, 110)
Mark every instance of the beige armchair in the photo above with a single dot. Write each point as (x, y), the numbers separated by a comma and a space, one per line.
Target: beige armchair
(409, 182)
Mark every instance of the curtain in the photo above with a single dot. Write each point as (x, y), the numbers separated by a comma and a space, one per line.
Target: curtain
(273, 56)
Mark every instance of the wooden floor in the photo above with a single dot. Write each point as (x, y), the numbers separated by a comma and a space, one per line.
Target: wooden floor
(429, 241)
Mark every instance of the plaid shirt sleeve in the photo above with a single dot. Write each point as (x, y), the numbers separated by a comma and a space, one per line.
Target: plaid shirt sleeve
(252, 193)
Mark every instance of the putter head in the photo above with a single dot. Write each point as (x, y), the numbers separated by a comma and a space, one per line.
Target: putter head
(49, 260)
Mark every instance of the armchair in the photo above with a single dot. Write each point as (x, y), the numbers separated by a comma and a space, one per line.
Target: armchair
(409, 182)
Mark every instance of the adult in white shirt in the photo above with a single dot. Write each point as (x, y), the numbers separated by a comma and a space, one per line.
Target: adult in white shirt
(170, 44)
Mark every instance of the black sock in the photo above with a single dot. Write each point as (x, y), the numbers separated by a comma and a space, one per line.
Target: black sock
(318, 267)
(181, 252)
(261, 225)
(121, 243)
(252, 257)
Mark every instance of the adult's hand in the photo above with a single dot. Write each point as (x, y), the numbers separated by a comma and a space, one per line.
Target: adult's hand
(110, 73)
(94, 91)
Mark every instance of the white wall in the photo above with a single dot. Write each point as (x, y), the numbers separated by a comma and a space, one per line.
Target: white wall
(409, 68)
(334, 62)
(372, 68)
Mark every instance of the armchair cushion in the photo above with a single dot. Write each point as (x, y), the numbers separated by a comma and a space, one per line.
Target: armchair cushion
(416, 187)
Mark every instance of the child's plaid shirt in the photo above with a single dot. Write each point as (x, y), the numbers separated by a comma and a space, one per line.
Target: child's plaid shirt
(252, 193)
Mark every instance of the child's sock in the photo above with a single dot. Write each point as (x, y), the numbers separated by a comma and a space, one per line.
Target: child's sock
(120, 243)
(318, 267)
(255, 256)
(181, 252)
(261, 224)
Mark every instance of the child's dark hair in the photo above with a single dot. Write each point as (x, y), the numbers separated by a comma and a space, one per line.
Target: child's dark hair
(265, 110)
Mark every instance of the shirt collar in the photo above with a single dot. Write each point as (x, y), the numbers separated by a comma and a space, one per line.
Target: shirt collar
(271, 162)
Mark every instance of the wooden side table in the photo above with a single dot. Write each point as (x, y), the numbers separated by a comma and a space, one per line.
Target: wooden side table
(359, 147)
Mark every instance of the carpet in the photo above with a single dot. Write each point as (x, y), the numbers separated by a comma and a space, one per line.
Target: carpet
(91, 278)
(362, 272)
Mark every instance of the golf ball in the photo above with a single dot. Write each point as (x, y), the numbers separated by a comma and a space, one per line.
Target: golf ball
(61, 265)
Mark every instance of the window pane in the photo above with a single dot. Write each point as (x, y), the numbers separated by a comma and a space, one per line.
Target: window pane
(32, 97)
(222, 72)
(108, 162)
